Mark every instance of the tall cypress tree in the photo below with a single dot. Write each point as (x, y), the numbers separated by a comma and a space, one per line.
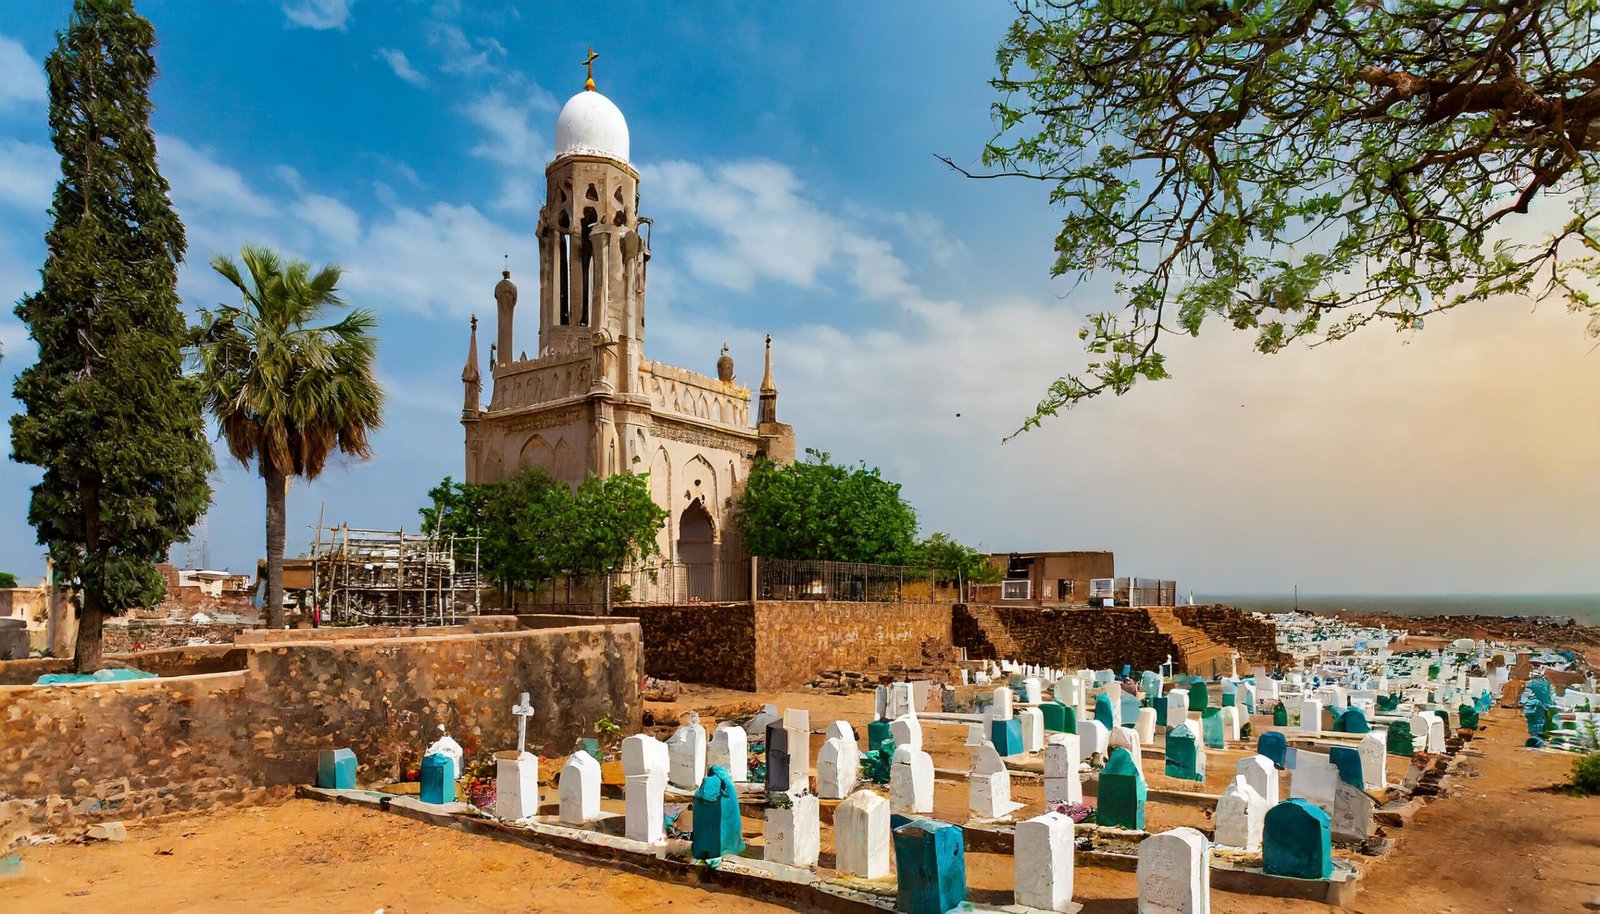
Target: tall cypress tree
(110, 415)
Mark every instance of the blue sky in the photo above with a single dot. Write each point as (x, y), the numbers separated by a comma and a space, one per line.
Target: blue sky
(787, 157)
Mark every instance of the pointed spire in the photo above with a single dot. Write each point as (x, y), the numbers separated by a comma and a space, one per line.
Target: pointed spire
(767, 408)
(766, 379)
(471, 380)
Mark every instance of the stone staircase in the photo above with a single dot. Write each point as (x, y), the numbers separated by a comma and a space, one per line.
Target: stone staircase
(1197, 653)
(994, 641)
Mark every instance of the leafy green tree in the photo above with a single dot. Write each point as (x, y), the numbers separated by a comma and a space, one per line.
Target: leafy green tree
(816, 509)
(951, 561)
(107, 411)
(7, 580)
(288, 394)
(617, 523)
(1302, 168)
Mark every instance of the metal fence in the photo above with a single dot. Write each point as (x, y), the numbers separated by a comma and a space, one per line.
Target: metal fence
(790, 579)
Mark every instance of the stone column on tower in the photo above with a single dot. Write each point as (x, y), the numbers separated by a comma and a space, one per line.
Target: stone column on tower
(777, 438)
(505, 297)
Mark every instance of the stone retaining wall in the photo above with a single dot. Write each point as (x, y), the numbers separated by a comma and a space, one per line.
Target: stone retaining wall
(71, 755)
(776, 645)
(1255, 640)
(1074, 638)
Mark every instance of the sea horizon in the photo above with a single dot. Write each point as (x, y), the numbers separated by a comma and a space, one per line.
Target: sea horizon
(1581, 607)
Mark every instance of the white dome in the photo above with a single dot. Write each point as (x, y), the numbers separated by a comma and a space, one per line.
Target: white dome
(590, 124)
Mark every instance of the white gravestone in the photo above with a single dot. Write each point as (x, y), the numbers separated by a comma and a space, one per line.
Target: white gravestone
(1043, 851)
(1311, 717)
(838, 768)
(644, 768)
(1146, 726)
(900, 700)
(989, 785)
(686, 754)
(1177, 707)
(1230, 724)
(1241, 813)
(1266, 689)
(1001, 709)
(1093, 739)
(516, 787)
(1352, 813)
(907, 731)
(911, 782)
(794, 834)
(1032, 720)
(1374, 752)
(1062, 785)
(1313, 779)
(1174, 873)
(1032, 690)
(580, 789)
(861, 832)
(756, 727)
(730, 749)
(1126, 738)
(1262, 776)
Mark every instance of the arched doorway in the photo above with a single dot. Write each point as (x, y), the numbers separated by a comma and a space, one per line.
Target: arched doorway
(697, 552)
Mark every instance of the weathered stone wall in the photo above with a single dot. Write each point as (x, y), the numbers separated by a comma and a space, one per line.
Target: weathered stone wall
(1255, 640)
(70, 755)
(710, 644)
(798, 640)
(774, 645)
(127, 636)
(1074, 638)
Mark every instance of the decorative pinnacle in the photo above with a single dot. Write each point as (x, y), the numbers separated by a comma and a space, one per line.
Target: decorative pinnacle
(588, 63)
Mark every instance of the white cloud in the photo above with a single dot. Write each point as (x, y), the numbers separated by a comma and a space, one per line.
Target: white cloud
(200, 183)
(440, 259)
(21, 77)
(396, 59)
(461, 54)
(330, 218)
(319, 14)
(29, 177)
(509, 137)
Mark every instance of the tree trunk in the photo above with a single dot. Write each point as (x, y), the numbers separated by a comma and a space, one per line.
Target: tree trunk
(277, 486)
(87, 657)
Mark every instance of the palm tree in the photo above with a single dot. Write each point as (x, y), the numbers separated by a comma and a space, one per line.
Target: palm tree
(287, 395)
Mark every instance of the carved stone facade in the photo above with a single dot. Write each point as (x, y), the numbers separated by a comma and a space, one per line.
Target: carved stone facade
(588, 402)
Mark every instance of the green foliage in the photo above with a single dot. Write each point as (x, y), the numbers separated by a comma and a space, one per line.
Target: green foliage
(819, 510)
(950, 560)
(7, 580)
(107, 411)
(287, 393)
(1586, 775)
(1302, 168)
(533, 528)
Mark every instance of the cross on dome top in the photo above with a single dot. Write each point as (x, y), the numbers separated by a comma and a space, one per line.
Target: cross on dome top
(588, 65)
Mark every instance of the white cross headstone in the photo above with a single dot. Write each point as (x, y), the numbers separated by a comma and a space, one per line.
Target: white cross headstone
(523, 710)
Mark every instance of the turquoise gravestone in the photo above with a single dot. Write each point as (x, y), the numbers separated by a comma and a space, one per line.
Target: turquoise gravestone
(1129, 709)
(932, 862)
(336, 769)
(1102, 711)
(1399, 740)
(438, 779)
(1469, 717)
(1275, 747)
(1211, 728)
(1354, 720)
(1150, 684)
(1230, 693)
(1297, 841)
(1199, 695)
(1183, 754)
(1122, 793)
(1280, 715)
(1161, 712)
(1006, 736)
(1055, 717)
(1348, 761)
(878, 731)
(716, 817)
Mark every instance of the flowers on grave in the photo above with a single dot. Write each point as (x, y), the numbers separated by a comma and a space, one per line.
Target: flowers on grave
(1077, 812)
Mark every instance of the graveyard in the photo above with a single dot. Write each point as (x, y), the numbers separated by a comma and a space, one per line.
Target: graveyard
(1323, 785)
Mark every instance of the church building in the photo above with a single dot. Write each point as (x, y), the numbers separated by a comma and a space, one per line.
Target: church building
(588, 401)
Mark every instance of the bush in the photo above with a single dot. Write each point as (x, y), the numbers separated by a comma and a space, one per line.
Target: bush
(1586, 775)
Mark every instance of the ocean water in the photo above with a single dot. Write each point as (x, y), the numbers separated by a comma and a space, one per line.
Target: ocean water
(1582, 607)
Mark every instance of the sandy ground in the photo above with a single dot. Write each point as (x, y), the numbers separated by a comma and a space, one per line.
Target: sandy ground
(1506, 840)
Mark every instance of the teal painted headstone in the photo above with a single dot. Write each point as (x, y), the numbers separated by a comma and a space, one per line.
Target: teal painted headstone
(1469, 717)
(1211, 728)
(716, 817)
(932, 862)
(1129, 709)
(1102, 710)
(1399, 740)
(336, 769)
(1122, 793)
(438, 779)
(592, 746)
(1280, 715)
(1354, 720)
(1348, 761)
(1183, 755)
(1161, 712)
(1054, 714)
(1297, 841)
(1388, 702)
(878, 731)
(1230, 699)
(1199, 695)
(1006, 736)
(1274, 746)
(1150, 683)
